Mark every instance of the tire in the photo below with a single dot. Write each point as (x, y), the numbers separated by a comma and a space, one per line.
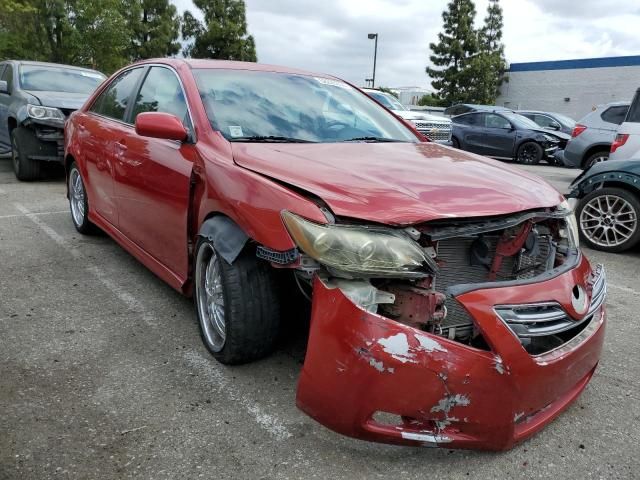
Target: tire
(619, 218)
(25, 169)
(78, 202)
(239, 313)
(529, 153)
(594, 158)
(455, 143)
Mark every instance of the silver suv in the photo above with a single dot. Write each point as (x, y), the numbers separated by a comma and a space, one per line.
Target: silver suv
(593, 135)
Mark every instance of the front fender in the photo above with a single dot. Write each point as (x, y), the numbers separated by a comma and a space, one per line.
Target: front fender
(226, 235)
(625, 172)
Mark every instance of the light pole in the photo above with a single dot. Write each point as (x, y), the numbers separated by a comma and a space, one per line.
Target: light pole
(375, 54)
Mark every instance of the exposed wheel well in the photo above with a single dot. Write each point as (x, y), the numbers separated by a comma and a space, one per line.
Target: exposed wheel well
(623, 186)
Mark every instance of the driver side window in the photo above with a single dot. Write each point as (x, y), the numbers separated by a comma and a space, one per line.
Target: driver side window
(162, 92)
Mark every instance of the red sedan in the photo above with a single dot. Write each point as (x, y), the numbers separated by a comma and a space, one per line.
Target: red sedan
(451, 305)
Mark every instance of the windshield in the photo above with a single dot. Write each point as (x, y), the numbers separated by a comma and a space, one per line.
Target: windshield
(59, 79)
(520, 121)
(250, 105)
(387, 100)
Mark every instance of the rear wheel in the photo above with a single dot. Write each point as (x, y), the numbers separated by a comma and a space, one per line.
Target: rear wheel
(529, 153)
(597, 157)
(455, 143)
(24, 168)
(608, 219)
(237, 305)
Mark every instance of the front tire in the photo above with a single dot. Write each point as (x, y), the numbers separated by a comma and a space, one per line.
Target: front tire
(529, 153)
(25, 169)
(78, 202)
(237, 305)
(455, 143)
(608, 220)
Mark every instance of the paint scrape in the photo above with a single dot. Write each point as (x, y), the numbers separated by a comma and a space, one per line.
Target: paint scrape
(398, 347)
(517, 417)
(428, 438)
(377, 365)
(429, 344)
(450, 401)
(498, 365)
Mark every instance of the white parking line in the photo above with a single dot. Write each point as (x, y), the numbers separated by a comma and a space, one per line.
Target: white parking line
(2, 217)
(623, 289)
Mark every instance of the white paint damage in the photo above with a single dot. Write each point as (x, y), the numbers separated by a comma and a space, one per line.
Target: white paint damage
(398, 347)
(498, 365)
(429, 344)
(428, 438)
(450, 401)
(517, 417)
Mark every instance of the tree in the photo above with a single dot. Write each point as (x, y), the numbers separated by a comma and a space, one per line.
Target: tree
(490, 65)
(154, 27)
(430, 101)
(454, 53)
(388, 90)
(223, 34)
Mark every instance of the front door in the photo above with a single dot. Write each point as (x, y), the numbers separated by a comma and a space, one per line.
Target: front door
(153, 175)
(498, 136)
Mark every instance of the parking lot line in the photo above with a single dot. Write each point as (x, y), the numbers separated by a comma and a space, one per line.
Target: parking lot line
(2, 217)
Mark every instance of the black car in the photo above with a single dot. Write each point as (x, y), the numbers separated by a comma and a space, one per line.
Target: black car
(608, 205)
(506, 135)
(35, 100)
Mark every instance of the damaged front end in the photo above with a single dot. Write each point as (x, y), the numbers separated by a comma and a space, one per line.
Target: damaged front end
(465, 333)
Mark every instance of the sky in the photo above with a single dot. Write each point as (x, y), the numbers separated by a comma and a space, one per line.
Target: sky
(330, 36)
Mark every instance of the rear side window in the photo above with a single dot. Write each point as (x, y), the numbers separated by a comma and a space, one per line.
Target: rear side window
(161, 92)
(113, 101)
(496, 121)
(634, 109)
(544, 121)
(615, 114)
(466, 120)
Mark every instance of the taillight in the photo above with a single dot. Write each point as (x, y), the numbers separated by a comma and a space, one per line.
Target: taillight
(578, 129)
(620, 140)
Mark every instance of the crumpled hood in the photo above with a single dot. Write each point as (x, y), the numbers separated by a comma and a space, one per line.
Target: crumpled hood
(553, 133)
(71, 101)
(399, 183)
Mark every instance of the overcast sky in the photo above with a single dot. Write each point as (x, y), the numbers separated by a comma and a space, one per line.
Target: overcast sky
(331, 35)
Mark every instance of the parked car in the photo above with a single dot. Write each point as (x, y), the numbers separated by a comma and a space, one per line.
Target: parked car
(433, 127)
(627, 141)
(460, 108)
(608, 205)
(506, 135)
(593, 135)
(451, 305)
(550, 121)
(35, 100)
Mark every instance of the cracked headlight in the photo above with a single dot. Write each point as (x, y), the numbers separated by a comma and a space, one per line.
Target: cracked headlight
(39, 112)
(572, 233)
(360, 251)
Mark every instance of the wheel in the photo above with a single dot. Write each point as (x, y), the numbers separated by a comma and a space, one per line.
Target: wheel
(237, 305)
(608, 219)
(529, 153)
(596, 158)
(24, 168)
(455, 143)
(78, 202)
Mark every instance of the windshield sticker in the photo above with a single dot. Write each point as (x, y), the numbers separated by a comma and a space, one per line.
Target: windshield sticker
(235, 131)
(329, 81)
(91, 75)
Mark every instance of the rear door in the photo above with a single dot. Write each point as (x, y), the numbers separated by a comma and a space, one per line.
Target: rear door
(100, 131)
(152, 177)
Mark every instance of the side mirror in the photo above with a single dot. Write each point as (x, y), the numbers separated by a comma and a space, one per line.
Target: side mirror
(160, 125)
(4, 88)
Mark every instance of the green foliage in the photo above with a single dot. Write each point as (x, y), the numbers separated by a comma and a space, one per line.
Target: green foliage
(469, 64)
(431, 101)
(222, 35)
(102, 34)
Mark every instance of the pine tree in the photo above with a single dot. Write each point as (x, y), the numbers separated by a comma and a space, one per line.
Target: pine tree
(490, 64)
(154, 27)
(223, 35)
(454, 54)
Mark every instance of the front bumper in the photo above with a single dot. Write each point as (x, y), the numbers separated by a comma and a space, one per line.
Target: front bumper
(372, 378)
(47, 143)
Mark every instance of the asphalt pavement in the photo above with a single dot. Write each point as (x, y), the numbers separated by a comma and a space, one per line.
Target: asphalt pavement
(103, 375)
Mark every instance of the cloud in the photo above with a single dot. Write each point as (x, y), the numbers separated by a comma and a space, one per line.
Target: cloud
(331, 35)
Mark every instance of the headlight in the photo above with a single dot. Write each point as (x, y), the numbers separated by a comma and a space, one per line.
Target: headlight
(571, 224)
(360, 251)
(551, 138)
(44, 113)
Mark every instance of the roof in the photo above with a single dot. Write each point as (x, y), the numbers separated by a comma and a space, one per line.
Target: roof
(234, 65)
(603, 62)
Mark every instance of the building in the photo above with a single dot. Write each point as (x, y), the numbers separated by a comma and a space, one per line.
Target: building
(410, 95)
(572, 87)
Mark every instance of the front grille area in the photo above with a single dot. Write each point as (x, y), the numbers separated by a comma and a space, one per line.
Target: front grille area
(545, 326)
(434, 130)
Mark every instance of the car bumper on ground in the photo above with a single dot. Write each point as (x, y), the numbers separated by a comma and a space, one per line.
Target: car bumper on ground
(369, 377)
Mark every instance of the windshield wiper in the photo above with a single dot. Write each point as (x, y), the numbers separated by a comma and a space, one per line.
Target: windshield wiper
(371, 139)
(269, 138)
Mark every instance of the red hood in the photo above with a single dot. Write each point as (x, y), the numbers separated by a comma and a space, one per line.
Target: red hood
(399, 183)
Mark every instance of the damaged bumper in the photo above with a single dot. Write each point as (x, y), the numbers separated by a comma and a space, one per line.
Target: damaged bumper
(370, 377)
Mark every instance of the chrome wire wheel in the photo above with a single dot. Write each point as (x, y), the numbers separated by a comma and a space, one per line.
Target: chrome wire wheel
(77, 197)
(210, 297)
(608, 220)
